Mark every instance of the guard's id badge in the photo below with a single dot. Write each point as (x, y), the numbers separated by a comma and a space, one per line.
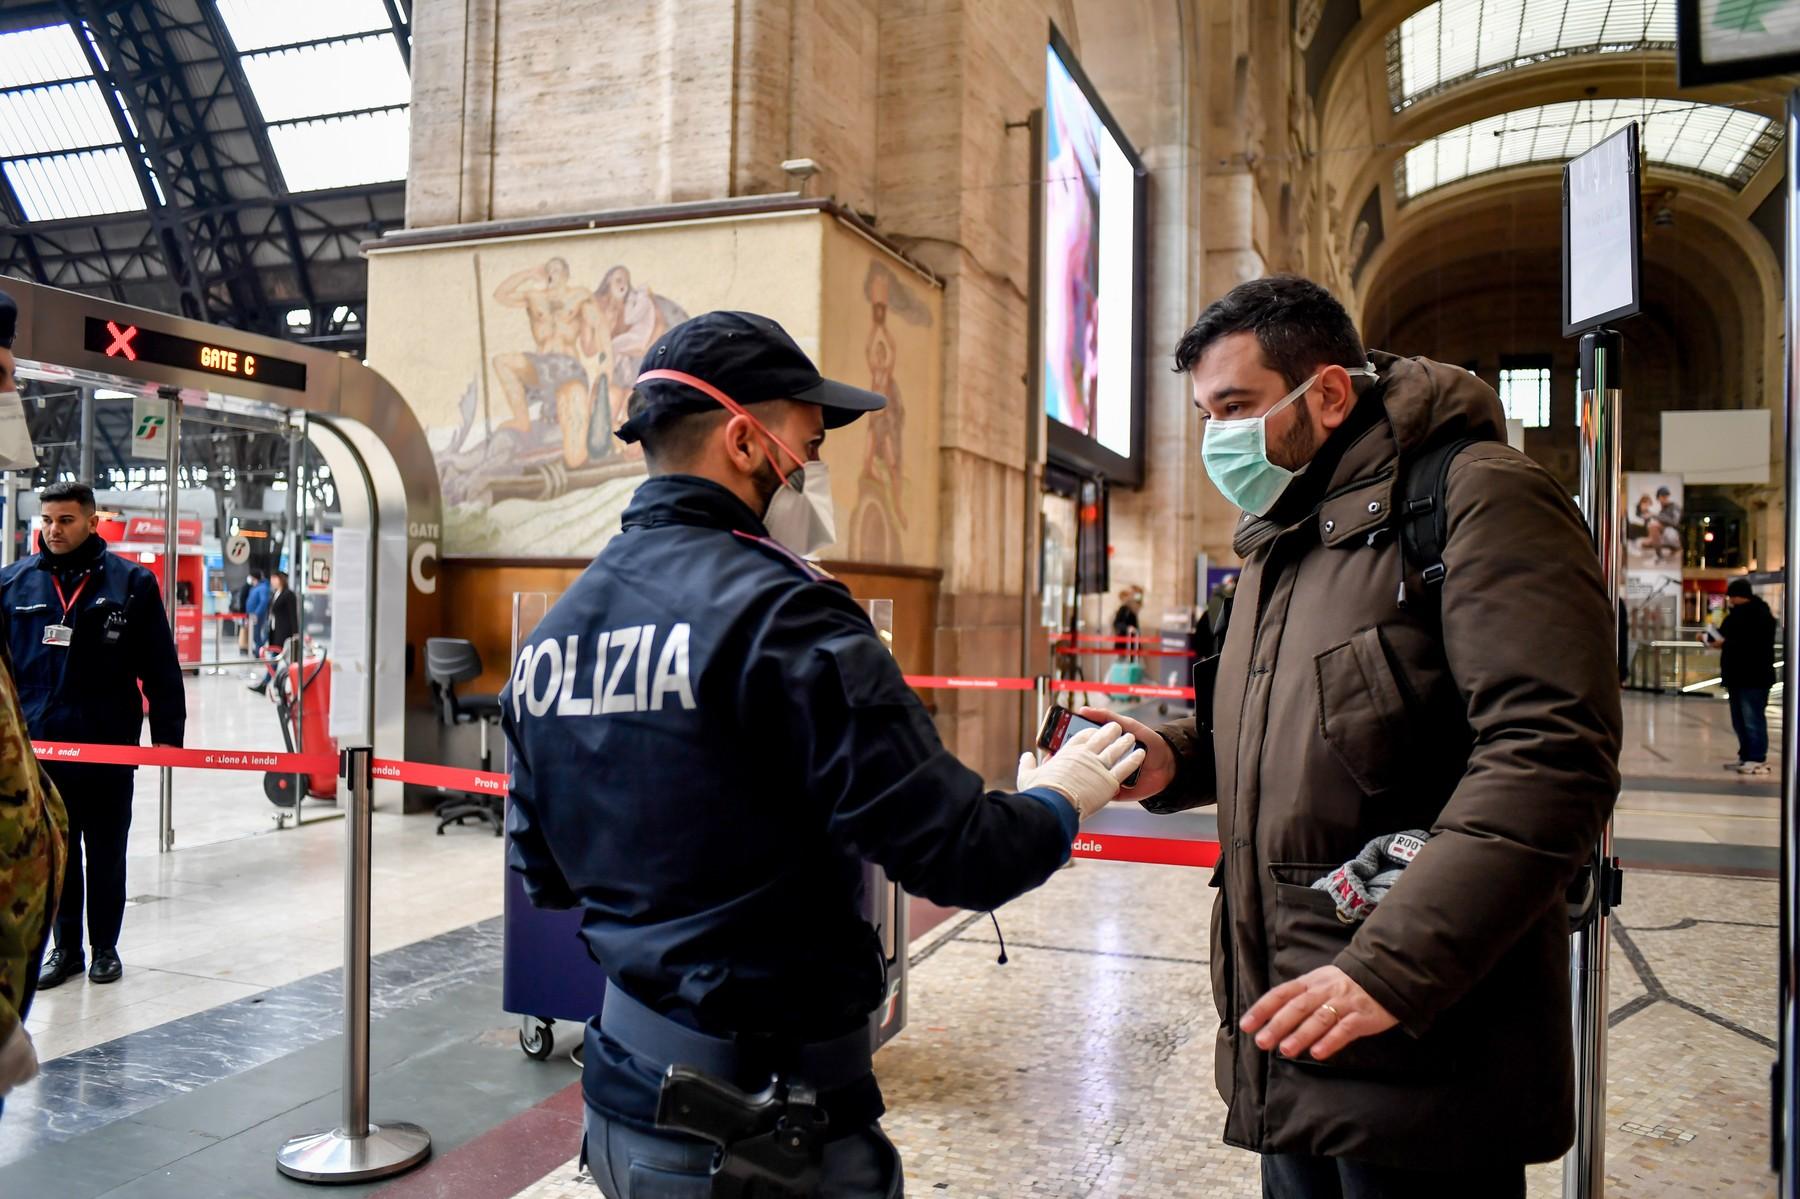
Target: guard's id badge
(58, 634)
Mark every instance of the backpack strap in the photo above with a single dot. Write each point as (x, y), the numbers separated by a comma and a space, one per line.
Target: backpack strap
(1424, 522)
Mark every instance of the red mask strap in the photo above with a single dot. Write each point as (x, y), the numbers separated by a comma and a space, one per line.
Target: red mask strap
(731, 406)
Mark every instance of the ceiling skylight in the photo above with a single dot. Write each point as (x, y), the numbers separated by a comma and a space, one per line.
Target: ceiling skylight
(1727, 144)
(329, 80)
(59, 145)
(1454, 41)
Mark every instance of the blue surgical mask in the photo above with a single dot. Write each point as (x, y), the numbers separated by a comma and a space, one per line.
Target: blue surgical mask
(1236, 454)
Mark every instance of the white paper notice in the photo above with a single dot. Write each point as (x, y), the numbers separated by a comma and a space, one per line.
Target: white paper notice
(350, 637)
(1600, 250)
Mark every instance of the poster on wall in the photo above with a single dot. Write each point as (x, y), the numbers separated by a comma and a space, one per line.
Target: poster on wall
(1092, 311)
(1654, 551)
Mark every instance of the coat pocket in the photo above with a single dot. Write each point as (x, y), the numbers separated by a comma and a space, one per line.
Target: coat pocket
(1362, 711)
(1307, 935)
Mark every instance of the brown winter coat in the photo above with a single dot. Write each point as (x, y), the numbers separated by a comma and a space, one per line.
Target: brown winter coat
(1340, 716)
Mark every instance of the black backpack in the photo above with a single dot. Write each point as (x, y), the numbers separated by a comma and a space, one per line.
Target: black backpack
(1424, 528)
(1424, 523)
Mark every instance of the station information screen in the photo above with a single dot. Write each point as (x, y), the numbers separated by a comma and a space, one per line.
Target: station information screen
(131, 343)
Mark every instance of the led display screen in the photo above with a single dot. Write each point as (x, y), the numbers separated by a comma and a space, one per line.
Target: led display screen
(1092, 310)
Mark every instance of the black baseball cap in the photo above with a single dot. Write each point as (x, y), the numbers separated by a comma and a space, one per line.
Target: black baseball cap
(9, 320)
(748, 357)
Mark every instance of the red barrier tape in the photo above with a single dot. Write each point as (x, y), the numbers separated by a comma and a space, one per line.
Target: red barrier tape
(1064, 647)
(1154, 851)
(934, 682)
(1143, 690)
(1158, 851)
(201, 759)
(479, 782)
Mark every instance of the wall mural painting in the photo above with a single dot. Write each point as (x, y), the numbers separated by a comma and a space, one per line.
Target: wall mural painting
(878, 522)
(558, 388)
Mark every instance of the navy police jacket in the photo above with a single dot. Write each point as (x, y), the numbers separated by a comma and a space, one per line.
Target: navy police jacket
(88, 689)
(707, 738)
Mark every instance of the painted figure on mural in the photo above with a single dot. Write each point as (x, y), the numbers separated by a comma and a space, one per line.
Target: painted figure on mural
(564, 320)
(879, 518)
(631, 318)
(562, 398)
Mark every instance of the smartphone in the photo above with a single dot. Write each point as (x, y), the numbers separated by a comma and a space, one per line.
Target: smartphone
(1060, 724)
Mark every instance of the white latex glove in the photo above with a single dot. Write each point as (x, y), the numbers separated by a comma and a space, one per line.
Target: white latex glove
(1088, 770)
(18, 1060)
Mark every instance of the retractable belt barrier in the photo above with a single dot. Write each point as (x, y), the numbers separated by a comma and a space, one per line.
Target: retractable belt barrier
(1156, 851)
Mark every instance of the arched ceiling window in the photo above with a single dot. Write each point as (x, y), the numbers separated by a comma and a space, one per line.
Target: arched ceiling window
(1726, 144)
(59, 142)
(330, 81)
(1454, 41)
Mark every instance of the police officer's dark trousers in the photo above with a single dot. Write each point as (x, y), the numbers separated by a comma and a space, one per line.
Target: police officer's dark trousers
(99, 802)
(630, 1164)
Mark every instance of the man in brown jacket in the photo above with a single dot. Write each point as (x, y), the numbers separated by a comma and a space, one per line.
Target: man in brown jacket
(1422, 1046)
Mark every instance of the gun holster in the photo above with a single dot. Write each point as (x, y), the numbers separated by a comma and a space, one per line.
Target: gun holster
(770, 1143)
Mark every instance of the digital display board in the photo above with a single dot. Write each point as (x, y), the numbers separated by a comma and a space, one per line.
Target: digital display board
(1092, 276)
(1601, 234)
(132, 343)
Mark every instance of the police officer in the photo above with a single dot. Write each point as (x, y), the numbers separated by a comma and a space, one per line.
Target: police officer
(707, 738)
(87, 628)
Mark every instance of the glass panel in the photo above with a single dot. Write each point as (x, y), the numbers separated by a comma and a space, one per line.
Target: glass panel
(335, 77)
(41, 55)
(254, 24)
(342, 151)
(1454, 41)
(75, 185)
(64, 116)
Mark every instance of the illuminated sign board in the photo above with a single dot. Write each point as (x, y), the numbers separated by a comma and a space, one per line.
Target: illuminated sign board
(132, 343)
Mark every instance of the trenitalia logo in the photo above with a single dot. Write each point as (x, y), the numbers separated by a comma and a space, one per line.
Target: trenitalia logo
(149, 427)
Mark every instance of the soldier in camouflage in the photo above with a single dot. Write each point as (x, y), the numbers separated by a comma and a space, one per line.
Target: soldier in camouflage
(33, 834)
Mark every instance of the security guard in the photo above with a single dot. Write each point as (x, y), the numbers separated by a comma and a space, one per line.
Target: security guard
(707, 738)
(87, 629)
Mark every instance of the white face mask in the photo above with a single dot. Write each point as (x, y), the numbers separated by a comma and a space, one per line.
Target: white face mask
(16, 450)
(801, 515)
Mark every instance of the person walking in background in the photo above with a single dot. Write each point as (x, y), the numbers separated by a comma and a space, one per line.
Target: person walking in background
(283, 625)
(90, 644)
(1746, 641)
(1125, 620)
(256, 607)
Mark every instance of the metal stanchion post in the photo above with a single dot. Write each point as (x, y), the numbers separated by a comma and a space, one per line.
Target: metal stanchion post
(356, 1150)
(9, 501)
(1584, 1169)
(171, 570)
(1785, 1144)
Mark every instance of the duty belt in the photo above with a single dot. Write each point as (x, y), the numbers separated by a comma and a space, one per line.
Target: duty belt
(771, 1140)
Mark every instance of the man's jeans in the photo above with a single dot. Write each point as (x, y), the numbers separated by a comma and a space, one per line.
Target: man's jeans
(1750, 721)
(1296, 1176)
(630, 1164)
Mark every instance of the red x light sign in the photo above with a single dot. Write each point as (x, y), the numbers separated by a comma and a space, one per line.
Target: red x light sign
(121, 342)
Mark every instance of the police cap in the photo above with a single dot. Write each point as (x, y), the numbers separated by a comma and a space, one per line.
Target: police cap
(748, 357)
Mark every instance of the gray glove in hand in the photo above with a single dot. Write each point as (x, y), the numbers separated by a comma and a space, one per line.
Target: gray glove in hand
(18, 1060)
(1088, 770)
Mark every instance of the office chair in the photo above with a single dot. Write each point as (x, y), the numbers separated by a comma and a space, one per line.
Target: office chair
(449, 661)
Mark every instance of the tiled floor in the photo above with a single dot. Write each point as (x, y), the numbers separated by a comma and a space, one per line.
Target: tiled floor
(1083, 1067)
(239, 907)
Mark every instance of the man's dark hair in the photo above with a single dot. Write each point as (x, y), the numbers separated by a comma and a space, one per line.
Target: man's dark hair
(1662, 491)
(1300, 326)
(79, 493)
(671, 439)
(279, 574)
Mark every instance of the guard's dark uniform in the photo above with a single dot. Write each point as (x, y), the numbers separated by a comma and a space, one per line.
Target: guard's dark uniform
(88, 691)
(707, 736)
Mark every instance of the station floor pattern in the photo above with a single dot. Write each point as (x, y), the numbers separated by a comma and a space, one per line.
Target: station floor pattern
(1080, 1068)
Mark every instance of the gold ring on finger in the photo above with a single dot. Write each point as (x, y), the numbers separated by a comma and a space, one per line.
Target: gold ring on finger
(1326, 1007)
